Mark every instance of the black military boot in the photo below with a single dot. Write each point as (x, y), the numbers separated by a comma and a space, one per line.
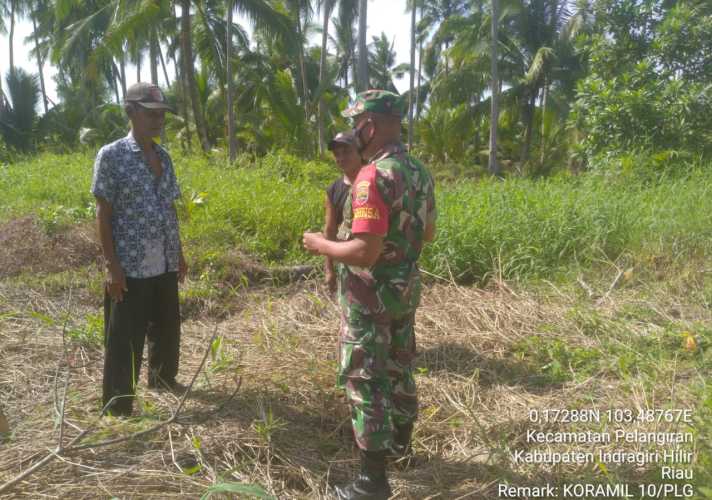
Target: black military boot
(371, 483)
(401, 440)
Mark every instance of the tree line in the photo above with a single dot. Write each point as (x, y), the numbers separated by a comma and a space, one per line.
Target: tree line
(567, 82)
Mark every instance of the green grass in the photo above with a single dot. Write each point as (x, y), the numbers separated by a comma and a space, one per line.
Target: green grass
(621, 347)
(516, 228)
(524, 228)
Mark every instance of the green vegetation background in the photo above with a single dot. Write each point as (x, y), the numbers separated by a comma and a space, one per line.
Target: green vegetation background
(515, 228)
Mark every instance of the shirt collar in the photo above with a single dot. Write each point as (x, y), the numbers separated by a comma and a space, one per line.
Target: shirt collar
(133, 145)
(387, 151)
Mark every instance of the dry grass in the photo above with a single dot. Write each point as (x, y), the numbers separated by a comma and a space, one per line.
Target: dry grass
(286, 429)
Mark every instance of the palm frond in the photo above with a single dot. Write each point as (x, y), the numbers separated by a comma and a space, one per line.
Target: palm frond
(543, 58)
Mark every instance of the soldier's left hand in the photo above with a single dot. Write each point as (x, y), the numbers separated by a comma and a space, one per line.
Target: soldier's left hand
(312, 242)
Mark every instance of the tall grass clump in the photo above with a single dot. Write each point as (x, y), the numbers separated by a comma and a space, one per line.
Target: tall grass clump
(523, 228)
(262, 208)
(517, 228)
(45, 182)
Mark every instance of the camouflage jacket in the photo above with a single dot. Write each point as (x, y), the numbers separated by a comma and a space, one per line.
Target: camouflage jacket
(394, 197)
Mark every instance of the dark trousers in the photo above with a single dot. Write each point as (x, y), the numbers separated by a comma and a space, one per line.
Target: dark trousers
(149, 308)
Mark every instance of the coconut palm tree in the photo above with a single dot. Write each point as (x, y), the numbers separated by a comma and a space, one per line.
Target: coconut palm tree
(538, 54)
(382, 58)
(301, 12)
(77, 29)
(12, 10)
(187, 66)
(18, 118)
(344, 41)
(435, 16)
(265, 18)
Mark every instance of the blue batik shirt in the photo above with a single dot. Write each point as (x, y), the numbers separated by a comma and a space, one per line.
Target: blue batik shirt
(143, 220)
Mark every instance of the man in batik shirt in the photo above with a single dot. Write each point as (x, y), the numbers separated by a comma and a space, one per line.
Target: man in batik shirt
(135, 188)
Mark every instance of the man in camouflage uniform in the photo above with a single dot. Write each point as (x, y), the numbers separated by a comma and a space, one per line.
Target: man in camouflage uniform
(392, 215)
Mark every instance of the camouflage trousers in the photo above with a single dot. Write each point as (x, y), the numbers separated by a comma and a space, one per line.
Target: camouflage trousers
(376, 353)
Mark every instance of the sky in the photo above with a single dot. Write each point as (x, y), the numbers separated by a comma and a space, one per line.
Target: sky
(386, 16)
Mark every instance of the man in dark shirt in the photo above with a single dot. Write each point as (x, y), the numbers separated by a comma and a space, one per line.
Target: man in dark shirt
(135, 188)
(344, 146)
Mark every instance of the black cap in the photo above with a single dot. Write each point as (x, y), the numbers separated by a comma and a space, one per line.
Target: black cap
(348, 138)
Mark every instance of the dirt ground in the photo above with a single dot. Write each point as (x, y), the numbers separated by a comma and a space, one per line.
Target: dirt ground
(286, 427)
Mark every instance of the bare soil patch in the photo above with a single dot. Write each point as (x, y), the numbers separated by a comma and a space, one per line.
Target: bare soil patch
(26, 247)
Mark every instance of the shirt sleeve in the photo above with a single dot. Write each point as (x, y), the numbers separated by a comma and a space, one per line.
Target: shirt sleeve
(103, 184)
(331, 193)
(370, 212)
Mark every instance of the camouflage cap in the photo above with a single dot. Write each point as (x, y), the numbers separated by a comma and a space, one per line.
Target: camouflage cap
(376, 101)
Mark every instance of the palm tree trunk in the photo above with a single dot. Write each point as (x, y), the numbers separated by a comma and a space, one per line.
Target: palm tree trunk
(11, 35)
(363, 82)
(544, 98)
(39, 62)
(322, 70)
(2, 94)
(163, 66)
(346, 75)
(232, 143)
(347, 61)
(354, 69)
(122, 75)
(493, 166)
(153, 56)
(478, 123)
(447, 64)
(186, 139)
(187, 53)
(115, 81)
(420, 67)
(528, 126)
(302, 69)
(412, 76)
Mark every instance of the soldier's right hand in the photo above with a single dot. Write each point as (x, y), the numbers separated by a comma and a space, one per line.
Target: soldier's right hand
(116, 282)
